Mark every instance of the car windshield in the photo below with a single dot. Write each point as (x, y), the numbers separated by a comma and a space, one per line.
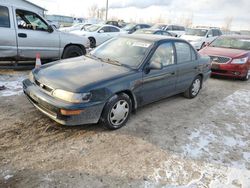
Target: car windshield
(235, 43)
(142, 31)
(129, 27)
(197, 32)
(128, 52)
(159, 26)
(92, 28)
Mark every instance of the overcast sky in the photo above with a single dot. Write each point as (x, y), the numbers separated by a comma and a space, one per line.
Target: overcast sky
(202, 12)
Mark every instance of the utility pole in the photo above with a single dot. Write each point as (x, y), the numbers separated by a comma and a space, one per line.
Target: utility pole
(107, 8)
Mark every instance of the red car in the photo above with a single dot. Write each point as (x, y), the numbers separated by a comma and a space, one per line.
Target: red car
(230, 56)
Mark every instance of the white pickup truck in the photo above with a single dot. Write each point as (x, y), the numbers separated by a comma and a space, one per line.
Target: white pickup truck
(24, 33)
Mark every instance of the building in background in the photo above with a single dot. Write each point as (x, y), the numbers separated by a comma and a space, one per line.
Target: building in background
(27, 5)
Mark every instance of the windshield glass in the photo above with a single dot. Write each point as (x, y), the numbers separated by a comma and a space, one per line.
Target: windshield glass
(128, 52)
(159, 26)
(129, 27)
(197, 32)
(92, 28)
(235, 43)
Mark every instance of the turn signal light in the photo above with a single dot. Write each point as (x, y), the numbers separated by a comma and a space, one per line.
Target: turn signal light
(70, 112)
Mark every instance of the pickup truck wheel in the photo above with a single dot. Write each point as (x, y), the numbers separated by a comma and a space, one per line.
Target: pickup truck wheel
(116, 112)
(92, 42)
(72, 51)
(194, 89)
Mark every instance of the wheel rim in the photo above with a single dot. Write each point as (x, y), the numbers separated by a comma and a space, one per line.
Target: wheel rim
(119, 112)
(196, 87)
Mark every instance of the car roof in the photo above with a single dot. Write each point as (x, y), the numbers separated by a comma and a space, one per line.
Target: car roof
(151, 37)
(236, 36)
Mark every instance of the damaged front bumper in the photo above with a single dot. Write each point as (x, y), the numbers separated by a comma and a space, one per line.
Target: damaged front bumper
(51, 107)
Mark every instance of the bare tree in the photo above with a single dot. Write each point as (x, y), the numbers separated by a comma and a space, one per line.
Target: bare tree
(227, 23)
(93, 11)
(101, 13)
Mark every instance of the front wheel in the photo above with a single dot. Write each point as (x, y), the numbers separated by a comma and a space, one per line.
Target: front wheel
(194, 89)
(116, 112)
(247, 76)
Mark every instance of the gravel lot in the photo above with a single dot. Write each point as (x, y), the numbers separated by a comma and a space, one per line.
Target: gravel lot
(177, 143)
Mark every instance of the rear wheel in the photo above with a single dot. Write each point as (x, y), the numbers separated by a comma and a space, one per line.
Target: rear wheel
(116, 112)
(194, 89)
(73, 51)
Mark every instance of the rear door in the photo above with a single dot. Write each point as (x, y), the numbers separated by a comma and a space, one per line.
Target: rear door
(33, 36)
(8, 44)
(106, 33)
(187, 65)
(158, 84)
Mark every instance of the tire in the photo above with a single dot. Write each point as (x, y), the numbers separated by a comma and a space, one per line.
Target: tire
(92, 42)
(246, 78)
(73, 51)
(194, 89)
(112, 118)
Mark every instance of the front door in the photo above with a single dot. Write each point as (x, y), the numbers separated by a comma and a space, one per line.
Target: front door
(33, 37)
(8, 45)
(158, 84)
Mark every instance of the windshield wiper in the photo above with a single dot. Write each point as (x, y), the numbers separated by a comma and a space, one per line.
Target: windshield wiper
(113, 61)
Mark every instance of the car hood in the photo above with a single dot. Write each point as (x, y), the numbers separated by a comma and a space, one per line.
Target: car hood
(77, 73)
(191, 38)
(228, 52)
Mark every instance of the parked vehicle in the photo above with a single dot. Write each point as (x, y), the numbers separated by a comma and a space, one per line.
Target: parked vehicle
(199, 37)
(97, 34)
(25, 33)
(76, 27)
(55, 24)
(131, 28)
(119, 24)
(116, 78)
(153, 31)
(176, 30)
(230, 56)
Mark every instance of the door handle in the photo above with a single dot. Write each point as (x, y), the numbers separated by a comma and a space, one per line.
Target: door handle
(22, 35)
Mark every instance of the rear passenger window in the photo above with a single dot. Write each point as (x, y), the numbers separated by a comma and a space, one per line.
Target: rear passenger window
(164, 54)
(4, 17)
(113, 29)
(183, 52)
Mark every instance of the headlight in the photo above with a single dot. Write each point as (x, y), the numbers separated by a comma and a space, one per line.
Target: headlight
(31, 77)
(240, 60)
(71, 97)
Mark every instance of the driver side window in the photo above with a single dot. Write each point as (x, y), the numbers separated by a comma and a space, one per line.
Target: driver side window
(164, 54)
(30, 21)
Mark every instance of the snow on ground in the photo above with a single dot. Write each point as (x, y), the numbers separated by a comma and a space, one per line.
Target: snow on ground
(217, 153)
(13, 84)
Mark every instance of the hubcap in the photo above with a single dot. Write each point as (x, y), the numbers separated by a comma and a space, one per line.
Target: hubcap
(119, 112)
(196, 87)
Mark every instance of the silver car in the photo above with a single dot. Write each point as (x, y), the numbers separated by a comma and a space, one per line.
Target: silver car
(25, 33)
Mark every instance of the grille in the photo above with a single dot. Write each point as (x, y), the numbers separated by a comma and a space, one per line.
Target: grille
(46, 88)
(219, 59)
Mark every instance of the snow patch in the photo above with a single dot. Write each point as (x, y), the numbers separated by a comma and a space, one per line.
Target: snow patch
(8, 177)
(12, 83)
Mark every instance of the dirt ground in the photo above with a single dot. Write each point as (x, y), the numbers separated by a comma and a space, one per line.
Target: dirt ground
(176, 143)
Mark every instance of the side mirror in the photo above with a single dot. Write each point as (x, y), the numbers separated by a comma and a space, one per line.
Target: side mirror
(154, 65)
(101, 31)
(50, 29)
